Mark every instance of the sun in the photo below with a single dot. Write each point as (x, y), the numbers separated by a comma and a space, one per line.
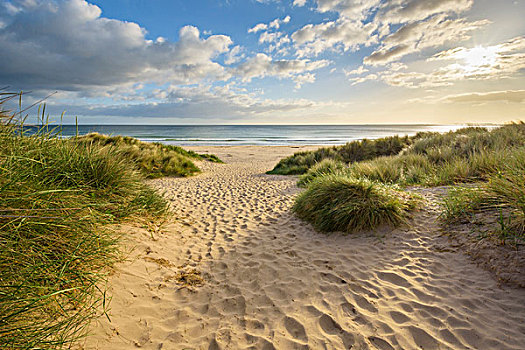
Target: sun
(479, 57)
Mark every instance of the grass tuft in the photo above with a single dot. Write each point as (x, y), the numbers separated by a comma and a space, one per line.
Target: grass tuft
(340, 203)
(462, 203)
(463, 156)
(500, 198)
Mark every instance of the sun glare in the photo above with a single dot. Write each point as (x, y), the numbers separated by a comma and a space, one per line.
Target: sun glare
(479, 57)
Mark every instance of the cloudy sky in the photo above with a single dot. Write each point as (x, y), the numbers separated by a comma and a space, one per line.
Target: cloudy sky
(268, 61)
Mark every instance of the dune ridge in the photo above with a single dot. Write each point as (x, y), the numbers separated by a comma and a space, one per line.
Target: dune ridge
(236, 270)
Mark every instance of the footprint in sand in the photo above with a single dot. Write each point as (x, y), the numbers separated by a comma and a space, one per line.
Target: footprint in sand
(422, 339)
(330, 327)
(399, 317)
(295, 329)
(380, 344)
(363, 303)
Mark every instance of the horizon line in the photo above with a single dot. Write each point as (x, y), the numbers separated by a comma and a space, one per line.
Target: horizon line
(326, 124)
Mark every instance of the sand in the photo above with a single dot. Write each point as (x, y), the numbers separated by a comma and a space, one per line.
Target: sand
(234, 269)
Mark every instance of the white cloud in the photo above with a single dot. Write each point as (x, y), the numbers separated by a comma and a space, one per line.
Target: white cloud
(299, 3)
(258, 27)
(235, 55)
(424, 24)
(262, 65)
(342, 34)
(496, 62)
(355, 9)
(303, 79)
(267, 37)
(220, 102)
(503, 61)
(417, 36)
(277, 41)
(275, 24)
(358, 71)
(508, 96)
(68, 45)
(402, 11)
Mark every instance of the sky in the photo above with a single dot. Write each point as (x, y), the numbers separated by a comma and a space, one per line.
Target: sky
(267, 61)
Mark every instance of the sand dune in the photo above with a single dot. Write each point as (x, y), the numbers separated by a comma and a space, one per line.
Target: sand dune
(236, 270)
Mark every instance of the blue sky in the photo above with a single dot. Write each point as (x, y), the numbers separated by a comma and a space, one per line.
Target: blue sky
(268, 61)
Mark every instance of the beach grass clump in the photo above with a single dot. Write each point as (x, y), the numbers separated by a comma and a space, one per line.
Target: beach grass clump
(509, 189)
(500, 199)
(382, 169)
(496, 208)
(491, 162)
(463, 156)
(462, 143)
(341, 203)
(300, 162)
(154, 160)
(56, 199)
(324, 167)
(354, 151)
(462, 203)
(440, 148)
(406, 169)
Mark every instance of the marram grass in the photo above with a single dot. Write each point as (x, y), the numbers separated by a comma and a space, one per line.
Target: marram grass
(501, 197)
(153, 160)
(341, 203)
(325, 167)
(56, 199)
(354, 151)
(463, 156)
(492, 161)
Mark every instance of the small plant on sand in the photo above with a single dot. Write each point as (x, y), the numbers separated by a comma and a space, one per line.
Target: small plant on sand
(341, 203)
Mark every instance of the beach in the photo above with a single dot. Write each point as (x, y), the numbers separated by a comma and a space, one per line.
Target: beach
(232, 268)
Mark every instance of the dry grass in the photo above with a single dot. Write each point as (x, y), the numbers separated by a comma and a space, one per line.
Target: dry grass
(189, 279)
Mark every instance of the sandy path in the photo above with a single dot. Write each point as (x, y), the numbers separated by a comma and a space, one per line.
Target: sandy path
(271, 281)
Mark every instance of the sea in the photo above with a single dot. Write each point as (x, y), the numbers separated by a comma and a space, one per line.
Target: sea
(267, 135)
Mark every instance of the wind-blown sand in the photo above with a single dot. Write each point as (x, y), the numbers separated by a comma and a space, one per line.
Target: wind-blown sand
(270, 281)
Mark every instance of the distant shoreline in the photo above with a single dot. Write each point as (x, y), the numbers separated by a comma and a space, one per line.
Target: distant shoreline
(252, 135)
